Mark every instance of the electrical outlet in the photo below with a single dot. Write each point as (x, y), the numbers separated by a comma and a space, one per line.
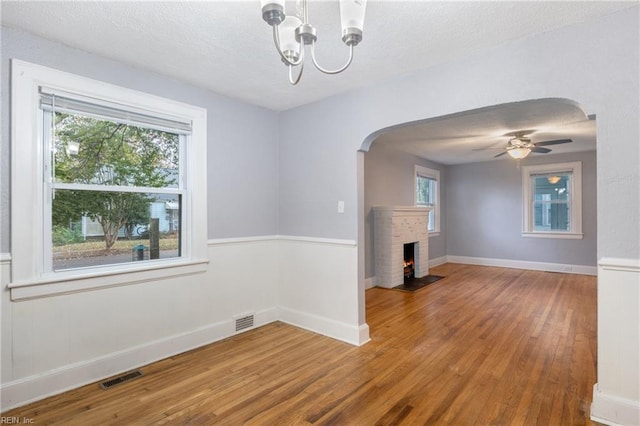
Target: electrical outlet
(340, 206)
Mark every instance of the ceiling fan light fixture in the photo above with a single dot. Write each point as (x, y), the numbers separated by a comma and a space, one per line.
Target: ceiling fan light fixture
(520, 146)
(519, 153)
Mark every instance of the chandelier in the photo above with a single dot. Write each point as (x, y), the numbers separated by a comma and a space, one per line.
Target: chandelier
(292, 33)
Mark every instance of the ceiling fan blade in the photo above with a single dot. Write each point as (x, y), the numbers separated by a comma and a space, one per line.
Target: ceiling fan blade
(540, 150)
(554, 142)
(500, 155)
(517, 133)
(487, 149)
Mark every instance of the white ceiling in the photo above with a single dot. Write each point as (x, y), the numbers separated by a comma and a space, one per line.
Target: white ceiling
(226, 47)
(479, 135)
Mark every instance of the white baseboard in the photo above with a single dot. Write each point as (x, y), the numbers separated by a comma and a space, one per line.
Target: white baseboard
(370, 282)
(33, 388)
(611, 410)
(524, 264)
(338, 330)
(437, 261)
(36, 384)
(504, 263)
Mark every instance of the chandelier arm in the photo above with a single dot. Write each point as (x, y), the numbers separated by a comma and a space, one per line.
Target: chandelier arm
(297, 80)
(339, 70)
(276, 40)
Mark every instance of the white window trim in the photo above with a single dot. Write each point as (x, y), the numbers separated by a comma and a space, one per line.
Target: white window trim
(28, 278)
(433, 174)
(576, 200)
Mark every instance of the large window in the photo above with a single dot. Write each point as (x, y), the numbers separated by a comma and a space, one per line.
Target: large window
(552, 200)
(108, 184)
(427, 195)
(113, 185)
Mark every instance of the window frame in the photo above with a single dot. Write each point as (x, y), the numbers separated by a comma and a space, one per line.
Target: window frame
(435, 175)
(575, 204)
(29, 279)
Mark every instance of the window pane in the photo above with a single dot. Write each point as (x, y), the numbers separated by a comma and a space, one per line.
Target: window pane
(422, 190)
(103, 152)
(551, 201)
(425, 190)
(92, 228)
(426, 197)
(551, 216)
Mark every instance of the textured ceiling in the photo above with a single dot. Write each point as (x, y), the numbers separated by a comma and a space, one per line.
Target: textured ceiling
(479, 135)
(226, 47)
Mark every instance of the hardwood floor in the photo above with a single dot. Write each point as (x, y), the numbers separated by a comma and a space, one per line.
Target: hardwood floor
(485, 346)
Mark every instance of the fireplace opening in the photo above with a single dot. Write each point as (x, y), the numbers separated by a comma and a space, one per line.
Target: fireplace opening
(409, 262)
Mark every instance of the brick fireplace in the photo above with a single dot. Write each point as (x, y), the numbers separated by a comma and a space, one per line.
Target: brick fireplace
(393, 227)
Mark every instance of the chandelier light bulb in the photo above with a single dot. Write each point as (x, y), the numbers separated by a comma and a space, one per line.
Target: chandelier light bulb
(288, 43)
(352, 16)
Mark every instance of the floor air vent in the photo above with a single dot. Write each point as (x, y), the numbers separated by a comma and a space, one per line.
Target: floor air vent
(121, 379)
(244, 322)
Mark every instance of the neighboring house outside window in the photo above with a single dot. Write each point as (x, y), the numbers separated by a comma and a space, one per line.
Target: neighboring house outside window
(113, 182)
(427, 194)
(552, 200)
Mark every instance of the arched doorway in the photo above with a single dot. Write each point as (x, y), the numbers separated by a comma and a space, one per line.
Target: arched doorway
(461, 147)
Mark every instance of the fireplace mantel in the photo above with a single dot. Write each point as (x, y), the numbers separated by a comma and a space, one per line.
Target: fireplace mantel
(395, 226)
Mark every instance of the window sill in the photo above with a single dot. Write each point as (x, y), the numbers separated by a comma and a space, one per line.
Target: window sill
(434, 233)
(562, 235)
(84, 280)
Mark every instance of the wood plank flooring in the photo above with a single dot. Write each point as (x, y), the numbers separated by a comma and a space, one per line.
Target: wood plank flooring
(484, 346)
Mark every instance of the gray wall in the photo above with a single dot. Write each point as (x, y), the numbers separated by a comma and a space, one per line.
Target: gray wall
(389, 180)
(593, 63)
(317, 168)
(481, 207)
(484, 213)
(242, 139)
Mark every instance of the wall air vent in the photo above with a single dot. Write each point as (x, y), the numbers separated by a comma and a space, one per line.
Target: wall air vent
(121, 379)
(244, 322)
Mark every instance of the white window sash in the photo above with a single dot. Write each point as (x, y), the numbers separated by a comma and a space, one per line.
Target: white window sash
(116, 188)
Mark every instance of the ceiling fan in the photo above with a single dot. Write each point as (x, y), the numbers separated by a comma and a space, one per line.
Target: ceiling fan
(519, 146)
